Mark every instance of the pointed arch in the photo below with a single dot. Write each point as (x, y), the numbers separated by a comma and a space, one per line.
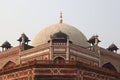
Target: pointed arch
(59, 60)
(9, 64)
(109, 66)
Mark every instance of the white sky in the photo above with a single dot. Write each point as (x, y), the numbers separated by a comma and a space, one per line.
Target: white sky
(101, 17)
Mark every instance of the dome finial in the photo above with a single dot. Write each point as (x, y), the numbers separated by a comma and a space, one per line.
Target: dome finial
(61, 17)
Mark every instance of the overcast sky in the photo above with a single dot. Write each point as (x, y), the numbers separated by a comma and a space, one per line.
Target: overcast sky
(101, 17)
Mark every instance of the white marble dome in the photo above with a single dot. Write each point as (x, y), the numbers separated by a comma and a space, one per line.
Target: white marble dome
(76, 36)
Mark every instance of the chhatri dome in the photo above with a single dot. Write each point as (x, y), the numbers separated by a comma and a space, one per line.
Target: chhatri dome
(76, 36)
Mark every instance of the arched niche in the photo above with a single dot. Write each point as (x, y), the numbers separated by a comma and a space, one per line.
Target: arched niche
(9, 64)
(109, 66)
(59, 60)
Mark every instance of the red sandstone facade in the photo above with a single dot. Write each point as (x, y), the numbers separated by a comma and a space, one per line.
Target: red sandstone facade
(59, 57)
(38, 66)
(48, 70)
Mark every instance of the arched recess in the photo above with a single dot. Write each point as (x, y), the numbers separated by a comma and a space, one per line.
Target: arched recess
(59, 60)
(109, 66)
(9, 64)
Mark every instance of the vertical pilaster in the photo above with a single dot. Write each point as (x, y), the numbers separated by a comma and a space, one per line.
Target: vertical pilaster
(99, 57)
(67, 50)
(51, 50)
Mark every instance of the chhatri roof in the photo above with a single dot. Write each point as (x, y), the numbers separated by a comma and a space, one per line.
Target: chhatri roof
(92, 39)
(26, 38)
(59, 35)
(112, 47)
(6, 44)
